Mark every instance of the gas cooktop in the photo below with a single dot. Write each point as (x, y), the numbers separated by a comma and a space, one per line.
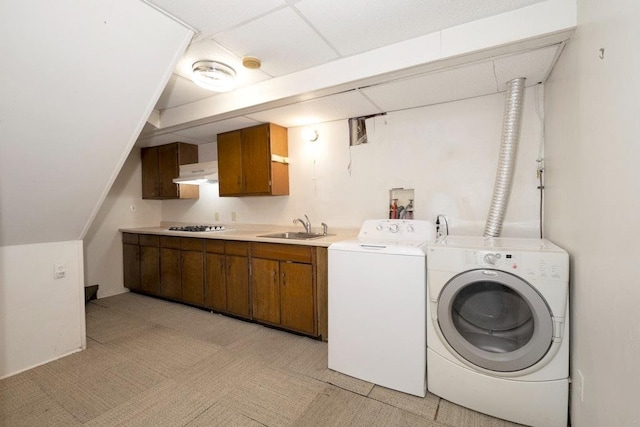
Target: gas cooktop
(198, 228)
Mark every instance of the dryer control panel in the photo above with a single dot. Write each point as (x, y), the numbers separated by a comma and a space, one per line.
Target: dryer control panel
(539, 265)
(528, 258)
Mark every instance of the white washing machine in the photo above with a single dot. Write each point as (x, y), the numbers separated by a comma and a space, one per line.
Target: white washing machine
(377, 304)
(498, 339)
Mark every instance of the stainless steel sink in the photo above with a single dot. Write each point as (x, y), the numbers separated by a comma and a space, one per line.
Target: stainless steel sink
(295, 235)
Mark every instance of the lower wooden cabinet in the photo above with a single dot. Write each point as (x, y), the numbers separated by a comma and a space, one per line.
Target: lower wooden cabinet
(297, 299)
(277, 284)
(182, 269)
(141, 258)
(150, 264)
(283, 286)
(227, 277)
(131, 261)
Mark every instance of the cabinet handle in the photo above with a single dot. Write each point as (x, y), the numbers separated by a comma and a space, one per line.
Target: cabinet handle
(284, 279)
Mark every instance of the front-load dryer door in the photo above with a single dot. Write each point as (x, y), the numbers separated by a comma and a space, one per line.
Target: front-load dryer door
(495, 320)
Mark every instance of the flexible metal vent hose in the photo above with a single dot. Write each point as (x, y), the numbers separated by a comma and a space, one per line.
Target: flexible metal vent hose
(507, 160)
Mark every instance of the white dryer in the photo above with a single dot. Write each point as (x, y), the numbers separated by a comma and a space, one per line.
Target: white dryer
(498, 335)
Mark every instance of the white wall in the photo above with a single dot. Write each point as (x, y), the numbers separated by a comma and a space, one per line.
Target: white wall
(41, 318)
(448, 153)
(593, 205)
(79, 80)
(123, 207)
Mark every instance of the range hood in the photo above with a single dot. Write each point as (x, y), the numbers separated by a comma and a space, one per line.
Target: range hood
(198, 173)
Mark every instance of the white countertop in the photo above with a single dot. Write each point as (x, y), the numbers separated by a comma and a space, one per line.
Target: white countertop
(250, 233)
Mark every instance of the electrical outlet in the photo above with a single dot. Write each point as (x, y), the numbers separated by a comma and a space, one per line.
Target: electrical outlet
(233, 216)
(216, 216)
(59, 271)
(579, 384)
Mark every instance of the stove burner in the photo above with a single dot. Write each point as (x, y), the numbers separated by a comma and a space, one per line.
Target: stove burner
(198, 228)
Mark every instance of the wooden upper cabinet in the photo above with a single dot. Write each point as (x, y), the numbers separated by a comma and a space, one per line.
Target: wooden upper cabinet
(250, 161)
(161, 164)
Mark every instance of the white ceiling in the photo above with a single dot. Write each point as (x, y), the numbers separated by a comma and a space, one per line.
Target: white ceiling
(294, 35)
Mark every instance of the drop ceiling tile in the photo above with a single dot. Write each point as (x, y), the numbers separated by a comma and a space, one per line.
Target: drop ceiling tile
(534, 65)
(282, 40)
(325, 109)
(450, 85)
(362, 25)
(210, 17)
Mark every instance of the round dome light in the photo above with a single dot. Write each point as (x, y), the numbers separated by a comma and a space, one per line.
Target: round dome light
(214, 76)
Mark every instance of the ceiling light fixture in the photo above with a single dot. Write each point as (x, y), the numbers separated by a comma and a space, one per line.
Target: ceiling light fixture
(214, 76)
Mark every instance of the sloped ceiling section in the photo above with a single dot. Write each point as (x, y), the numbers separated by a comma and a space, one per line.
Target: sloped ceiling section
(79, 80)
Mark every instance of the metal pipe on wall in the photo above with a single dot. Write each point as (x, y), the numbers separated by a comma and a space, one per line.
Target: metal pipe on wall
(507, 160)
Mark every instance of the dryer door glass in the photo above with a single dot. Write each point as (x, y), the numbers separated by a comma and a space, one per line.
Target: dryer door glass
(495, 320)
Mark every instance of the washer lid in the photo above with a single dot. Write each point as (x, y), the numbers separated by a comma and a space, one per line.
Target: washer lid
(495, 320)
(417, 248)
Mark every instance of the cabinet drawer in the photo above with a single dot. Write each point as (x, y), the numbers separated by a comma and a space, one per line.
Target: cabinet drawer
(130, 238)
(282, 252)
(191, 244)
(170, 242)
(214, 246)
(237, 248)
(149, 240)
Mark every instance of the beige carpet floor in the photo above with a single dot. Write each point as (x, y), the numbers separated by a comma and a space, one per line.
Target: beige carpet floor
(150, 362)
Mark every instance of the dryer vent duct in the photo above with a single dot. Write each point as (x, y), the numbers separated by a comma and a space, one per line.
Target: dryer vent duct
(507, 160)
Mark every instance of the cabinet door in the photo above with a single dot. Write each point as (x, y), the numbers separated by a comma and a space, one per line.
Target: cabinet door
(150, 184)
(256, 160)
(230, 163)
(193, 277)
(150, 270)
(297, 297)
(131, 266)
(265, 287)
(215, 289)
(168, 169)
(238, 285)
(170, 276)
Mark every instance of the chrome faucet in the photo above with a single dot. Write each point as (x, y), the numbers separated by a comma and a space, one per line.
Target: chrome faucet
(306, 224)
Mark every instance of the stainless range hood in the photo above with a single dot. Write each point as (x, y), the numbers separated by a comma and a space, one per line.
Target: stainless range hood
(198, 173)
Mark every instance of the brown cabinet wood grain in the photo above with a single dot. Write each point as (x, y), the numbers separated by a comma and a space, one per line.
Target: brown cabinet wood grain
(297, 308)
(192, 277)
(170, 275)
(141, 259)
(149, 264)
(227, 277)
(246, 166)
(161, 164)
(265, 288)
(131, 262)
(283, 286)
(215, 288)
(182, 269)
(238, 286)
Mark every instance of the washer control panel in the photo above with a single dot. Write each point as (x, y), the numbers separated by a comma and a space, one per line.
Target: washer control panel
(397, 230)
